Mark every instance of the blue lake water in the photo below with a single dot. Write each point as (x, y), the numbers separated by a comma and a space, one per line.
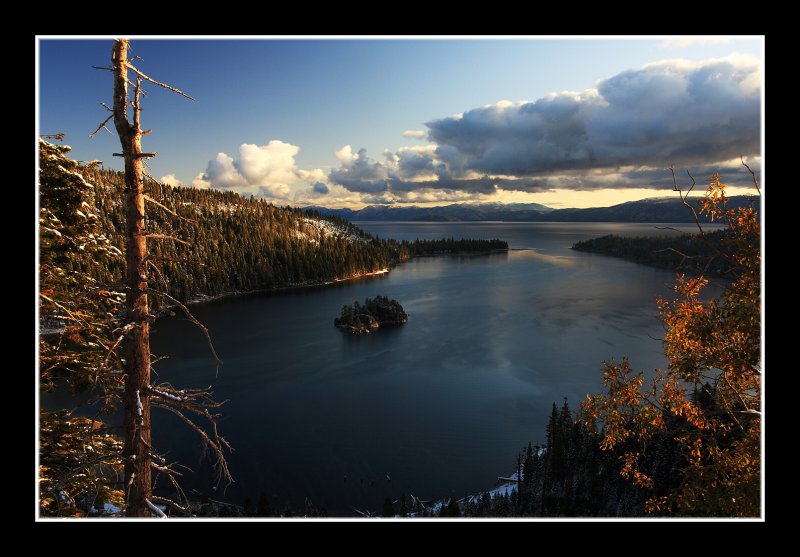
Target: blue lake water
(441, 405)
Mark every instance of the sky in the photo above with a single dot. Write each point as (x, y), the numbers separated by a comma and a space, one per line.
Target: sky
(566, 122)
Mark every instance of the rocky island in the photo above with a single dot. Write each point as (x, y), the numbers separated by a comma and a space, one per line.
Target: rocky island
(374, 313)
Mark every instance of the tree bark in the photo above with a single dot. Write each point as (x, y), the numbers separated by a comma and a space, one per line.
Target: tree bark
(137, 342)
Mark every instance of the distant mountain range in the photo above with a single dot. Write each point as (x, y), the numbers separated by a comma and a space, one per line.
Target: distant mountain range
(455, 212)
(657, 209)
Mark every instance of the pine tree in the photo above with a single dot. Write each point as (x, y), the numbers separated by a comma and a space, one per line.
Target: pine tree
(79, 459)
(388, 508)
(249, 508)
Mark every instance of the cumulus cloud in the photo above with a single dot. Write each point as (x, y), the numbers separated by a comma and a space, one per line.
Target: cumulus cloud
(622, 133)
(416, 163)
(171, 180)
(268, 170)
(668, 112)
(274, 191)
(200, 182)
(358, 172)
(331, 195)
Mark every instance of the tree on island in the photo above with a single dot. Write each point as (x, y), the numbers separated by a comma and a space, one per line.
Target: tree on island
(373, 314)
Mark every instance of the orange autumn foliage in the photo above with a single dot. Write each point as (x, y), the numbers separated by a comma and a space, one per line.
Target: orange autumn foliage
(712, 344)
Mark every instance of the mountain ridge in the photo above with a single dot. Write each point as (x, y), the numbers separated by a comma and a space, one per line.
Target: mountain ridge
(653, 209)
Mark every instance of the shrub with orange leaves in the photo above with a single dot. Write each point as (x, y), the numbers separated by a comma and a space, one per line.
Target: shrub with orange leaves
(714, 346)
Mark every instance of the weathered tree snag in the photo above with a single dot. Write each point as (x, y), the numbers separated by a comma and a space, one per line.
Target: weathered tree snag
(137, 343)
(139, 395)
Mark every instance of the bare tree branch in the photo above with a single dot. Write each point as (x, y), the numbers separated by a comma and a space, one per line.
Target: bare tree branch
(194, 320)
(167, 237)
(125, 330)
(221, 464)
(102, 127)
(137, 155)
(173, 505)
(685, 200)
(167, 209)
(753, 174)
(160, 84)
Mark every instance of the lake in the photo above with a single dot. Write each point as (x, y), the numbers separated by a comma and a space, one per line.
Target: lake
(441, 405)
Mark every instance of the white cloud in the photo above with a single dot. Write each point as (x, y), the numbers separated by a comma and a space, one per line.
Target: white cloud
(622, 133)
(222, 173)
(685, 42)
(358, 172)
(274, 191)
(346, 155)
(264, 170)
(171, 180)
(331, 195)
(270, 171)
(267, 164)
(200, 182)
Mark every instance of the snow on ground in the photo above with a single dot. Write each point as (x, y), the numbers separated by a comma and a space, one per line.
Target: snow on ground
(109, 509)
(323, 228)
(505, 489)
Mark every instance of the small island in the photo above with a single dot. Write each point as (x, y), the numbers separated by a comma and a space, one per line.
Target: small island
(374, 313)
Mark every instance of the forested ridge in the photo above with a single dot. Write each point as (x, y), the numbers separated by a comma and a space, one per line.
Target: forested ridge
(231, 243)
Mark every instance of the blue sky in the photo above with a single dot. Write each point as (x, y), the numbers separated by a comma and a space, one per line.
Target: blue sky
(322, 121)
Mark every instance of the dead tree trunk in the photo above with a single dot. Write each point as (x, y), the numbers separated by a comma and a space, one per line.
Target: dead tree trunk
(137, 341)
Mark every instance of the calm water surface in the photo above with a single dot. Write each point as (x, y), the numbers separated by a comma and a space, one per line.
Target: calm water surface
(441, 405)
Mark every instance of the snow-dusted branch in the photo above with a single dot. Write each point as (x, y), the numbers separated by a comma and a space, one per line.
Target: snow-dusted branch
(173, 505)
(139, 407)
(125, 330)
(156, 511)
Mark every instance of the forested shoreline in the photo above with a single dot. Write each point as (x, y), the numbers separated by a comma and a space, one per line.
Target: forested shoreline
(690, 253)
(214, 243)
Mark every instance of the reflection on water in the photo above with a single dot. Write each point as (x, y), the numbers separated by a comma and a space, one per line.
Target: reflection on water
(441, 405)
(532, 253)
